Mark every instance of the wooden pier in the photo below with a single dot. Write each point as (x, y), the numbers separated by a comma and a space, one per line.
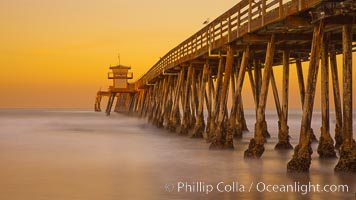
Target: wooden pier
(248, 40)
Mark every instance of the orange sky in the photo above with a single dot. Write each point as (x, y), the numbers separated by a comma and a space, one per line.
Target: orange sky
(56, 53)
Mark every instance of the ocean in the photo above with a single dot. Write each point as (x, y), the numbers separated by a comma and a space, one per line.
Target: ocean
(82, 155)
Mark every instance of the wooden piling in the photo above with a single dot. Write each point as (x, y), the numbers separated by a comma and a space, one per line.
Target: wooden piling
(124, 101)
(97, 104)
(337, 99)
(200, 123)
(142, 103)
(193, 99)
(232, 79)
(147, 104)
(276, 96)
(253, 85)
(110, 103)
(216, 108)
(300, 80)
(302, 93)
(138, 97)
(222, 140)
(121, 101)
(233, 129)
(209, 105)
(131, 102)
(164, 98)
(169, 101)
(256, 146)
(127, 103)
(241, 120)
(302, 153)
(156, 102)
(326, 143)
(118, 103)
(186, 106)
(347, 161)
(240, 114)
(283, 133)
(153, 105)
(174, 119)
(258, 84)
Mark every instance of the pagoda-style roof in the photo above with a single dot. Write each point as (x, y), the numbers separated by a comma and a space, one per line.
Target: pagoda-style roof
(120, 67)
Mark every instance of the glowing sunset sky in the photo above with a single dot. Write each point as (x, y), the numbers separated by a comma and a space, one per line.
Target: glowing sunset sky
(56, 53)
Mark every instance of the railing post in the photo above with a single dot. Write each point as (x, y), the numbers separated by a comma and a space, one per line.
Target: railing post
(182, 51)
(207, 38)
(249, 15)
(238, 21)
(179, 52)
(212, 34)
(229, 28)
(299, 5)
(263, 12)
(280, 8)
(201, 41)
(221, 32)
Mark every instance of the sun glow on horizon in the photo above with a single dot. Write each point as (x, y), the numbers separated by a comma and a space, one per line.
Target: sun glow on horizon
(57, 53)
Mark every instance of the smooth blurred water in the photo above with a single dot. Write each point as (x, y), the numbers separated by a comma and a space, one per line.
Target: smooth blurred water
(79, 154)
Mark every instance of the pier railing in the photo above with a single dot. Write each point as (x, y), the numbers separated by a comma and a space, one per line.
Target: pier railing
(245, 17)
